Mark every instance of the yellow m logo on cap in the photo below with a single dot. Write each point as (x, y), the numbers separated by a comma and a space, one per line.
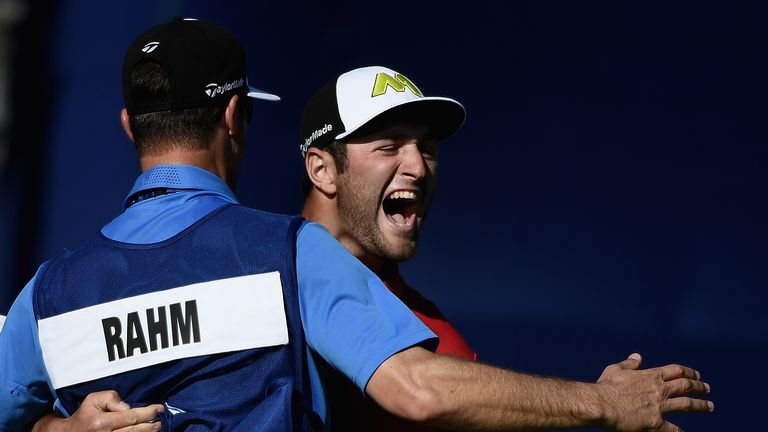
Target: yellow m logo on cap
(398, 83)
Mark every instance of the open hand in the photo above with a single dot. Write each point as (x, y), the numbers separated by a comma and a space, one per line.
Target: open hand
(637, 399)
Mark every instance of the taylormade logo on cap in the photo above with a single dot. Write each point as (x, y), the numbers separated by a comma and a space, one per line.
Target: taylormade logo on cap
(214, 89)
(315, 135)
(148, 48)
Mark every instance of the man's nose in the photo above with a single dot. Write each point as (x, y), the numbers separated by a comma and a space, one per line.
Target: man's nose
(413, 164)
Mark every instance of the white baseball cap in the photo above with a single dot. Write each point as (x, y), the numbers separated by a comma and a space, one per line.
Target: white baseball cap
(355, 98)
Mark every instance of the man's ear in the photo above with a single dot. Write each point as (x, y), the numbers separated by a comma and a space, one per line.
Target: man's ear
(321, 170)
(125, 121)
(231, 117)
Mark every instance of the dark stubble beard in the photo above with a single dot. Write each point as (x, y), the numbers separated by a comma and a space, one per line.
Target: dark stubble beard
(358, 204)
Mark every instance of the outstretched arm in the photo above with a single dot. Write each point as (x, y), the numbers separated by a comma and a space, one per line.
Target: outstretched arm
(103, 412)
(456, 394)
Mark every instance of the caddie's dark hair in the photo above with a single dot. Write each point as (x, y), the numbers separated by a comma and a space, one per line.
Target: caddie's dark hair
(338, 151)
(157, 132)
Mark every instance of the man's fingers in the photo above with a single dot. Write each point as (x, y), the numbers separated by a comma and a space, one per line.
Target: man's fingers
(115, 404)
(134, 416)
(683, 386)
(686, 404)
(632, 362)
(674, 371)
(107, 400)
(144, 427)
(141, 415)
(669, 427)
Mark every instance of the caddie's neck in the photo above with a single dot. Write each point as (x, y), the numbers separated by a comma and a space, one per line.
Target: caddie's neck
(217, 160)
(221, 157)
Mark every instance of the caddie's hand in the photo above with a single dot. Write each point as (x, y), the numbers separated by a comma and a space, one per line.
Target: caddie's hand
(104, 412)
(637, 400)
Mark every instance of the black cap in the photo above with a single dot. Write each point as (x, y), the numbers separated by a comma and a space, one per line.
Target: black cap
(205, 64)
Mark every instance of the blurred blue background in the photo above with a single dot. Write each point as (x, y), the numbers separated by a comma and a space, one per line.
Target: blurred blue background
(605, 196)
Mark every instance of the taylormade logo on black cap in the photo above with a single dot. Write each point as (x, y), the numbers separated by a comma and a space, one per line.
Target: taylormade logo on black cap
(148, 48)
(315, 135)
(214, 89)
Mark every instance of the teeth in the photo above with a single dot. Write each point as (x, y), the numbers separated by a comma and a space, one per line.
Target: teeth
(402, 195)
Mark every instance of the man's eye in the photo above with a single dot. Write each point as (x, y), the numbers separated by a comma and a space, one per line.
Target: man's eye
(429, 151)
(389, 148)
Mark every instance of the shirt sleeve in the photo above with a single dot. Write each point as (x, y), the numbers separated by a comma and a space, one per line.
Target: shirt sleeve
(24, 392)
(350, 318)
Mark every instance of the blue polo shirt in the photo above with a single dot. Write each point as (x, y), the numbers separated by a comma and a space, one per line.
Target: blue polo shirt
(350, 318)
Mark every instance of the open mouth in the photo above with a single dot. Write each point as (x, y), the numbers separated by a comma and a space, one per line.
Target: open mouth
(400, 208)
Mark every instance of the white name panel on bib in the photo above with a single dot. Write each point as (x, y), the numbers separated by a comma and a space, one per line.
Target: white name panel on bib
(200, 319)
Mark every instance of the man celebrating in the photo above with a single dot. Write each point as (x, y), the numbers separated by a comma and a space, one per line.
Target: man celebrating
(380, 196)
(370, 141)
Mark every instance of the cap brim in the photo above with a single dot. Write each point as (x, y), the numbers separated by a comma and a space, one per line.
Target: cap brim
(260, 94)
(443, 117)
